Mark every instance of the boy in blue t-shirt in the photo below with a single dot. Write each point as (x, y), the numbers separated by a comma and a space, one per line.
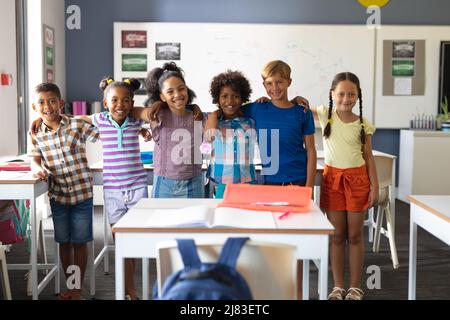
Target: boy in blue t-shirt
(285, 131)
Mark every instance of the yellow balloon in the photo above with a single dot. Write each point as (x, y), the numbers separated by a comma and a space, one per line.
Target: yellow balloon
(368, 3)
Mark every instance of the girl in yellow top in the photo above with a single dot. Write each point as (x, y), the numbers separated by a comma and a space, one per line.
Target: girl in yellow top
(350, 184)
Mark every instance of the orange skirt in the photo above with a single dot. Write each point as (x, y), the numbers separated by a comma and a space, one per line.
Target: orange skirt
(345, 189)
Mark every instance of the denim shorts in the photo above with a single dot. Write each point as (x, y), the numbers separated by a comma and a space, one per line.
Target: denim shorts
(176, 188)
(117, 203)
(72, 223)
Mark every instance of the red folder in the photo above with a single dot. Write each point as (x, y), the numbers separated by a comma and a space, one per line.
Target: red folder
(15, 166)
(290, 198)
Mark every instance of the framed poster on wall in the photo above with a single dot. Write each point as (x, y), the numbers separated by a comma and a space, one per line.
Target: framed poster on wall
(49, 53)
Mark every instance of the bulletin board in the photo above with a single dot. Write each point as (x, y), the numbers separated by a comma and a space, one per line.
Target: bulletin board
(395, 111)
(314, 52)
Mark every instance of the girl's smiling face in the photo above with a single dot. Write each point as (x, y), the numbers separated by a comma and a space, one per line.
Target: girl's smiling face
(230, 101)
(345, 94)
(119, 102)
(175, 93)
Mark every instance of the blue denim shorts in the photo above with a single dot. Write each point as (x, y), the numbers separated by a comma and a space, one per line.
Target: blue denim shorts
(176, 188)
(117, 203)
(72, 223)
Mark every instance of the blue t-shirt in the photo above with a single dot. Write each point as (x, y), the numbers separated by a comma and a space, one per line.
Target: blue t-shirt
(288, 163)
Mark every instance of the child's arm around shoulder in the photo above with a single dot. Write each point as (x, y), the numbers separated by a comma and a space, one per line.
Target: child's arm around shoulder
(212, 124)
(85, 118)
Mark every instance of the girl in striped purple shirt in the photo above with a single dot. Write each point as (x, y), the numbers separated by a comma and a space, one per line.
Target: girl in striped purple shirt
(124, 178)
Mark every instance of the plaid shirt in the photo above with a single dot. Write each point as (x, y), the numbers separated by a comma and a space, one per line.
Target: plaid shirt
(232, 155)
(63, 154)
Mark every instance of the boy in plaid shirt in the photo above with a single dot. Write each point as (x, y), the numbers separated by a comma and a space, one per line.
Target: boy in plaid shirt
(59, 152)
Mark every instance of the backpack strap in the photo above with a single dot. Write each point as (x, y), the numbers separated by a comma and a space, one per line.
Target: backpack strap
(231, 250)
(188, 252)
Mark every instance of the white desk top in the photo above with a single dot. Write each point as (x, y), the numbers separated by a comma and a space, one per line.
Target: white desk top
(437, 205)
(17, 177)
(314, 222)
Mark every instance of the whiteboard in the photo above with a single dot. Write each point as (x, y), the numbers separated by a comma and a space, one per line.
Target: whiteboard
(396, 111)
(314, 52)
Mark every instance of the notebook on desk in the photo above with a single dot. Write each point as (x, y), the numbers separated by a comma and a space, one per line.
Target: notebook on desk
(295, 199)
(208, 217)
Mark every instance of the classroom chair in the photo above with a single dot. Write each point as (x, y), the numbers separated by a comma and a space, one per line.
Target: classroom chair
(384, 174)
(270, 269)
(4, 274)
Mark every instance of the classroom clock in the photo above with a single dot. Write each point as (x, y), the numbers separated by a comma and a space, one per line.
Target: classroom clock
(378, 3)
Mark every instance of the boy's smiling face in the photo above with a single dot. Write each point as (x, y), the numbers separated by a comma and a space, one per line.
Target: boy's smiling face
(48, 106)
(277, 87)
(230, 102)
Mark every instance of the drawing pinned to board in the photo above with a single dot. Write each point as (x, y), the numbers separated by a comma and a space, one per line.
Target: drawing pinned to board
(50, 76)
(168, 51)
(134, 62)
(403, 49)
(403, 68)
(48, 54)
(134, 39)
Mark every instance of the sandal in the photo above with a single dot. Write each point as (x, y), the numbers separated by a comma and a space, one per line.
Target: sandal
(73, 294)
(337, 294)
(354, 294)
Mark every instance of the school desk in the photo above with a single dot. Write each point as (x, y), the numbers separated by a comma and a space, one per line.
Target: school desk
(97, 173)
(309, 232)
(432, 213)
(20, 185)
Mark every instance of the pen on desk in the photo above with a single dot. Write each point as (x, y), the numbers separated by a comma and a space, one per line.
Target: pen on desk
(284, 215)
(275, 203)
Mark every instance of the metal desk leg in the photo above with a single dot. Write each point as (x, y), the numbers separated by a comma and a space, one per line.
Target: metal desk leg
(145, 279)
(323, 270)
(305, 275)
(34, 273)
(58, 272)
(412, 259)
(120, 277)
(92, 269)
(105, 242)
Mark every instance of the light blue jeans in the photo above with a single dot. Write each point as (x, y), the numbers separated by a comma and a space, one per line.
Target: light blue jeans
(176, 188)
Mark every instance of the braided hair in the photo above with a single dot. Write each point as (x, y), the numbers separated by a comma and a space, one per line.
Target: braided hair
(354, 79)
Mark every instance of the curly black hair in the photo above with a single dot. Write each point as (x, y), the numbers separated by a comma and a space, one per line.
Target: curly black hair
(235, 79)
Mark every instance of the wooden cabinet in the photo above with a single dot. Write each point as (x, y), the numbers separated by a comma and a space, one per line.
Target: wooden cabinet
(424, 163)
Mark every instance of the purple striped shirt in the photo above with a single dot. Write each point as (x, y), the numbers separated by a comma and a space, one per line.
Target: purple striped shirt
(122, 165)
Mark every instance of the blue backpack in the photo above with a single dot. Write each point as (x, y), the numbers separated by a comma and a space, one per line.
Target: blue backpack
(207, 281)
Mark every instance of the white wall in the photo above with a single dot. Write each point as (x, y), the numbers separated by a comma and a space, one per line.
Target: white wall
(52, 14)
(8, 94)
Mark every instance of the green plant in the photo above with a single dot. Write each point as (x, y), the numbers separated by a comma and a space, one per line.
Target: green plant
(445, 115)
